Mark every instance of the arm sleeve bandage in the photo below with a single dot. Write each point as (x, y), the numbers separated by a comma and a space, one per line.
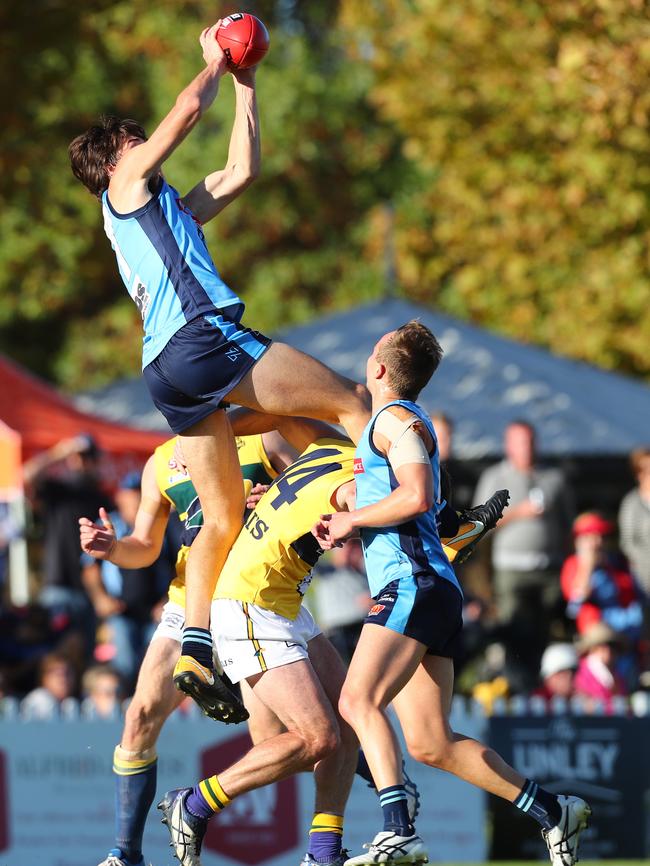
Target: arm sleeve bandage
(406, 445)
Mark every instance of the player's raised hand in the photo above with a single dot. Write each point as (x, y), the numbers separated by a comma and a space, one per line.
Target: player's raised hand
(212, 51)
(96, 539)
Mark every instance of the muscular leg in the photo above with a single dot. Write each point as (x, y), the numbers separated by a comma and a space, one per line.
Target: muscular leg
(335, 773)
(287, 382)
(294, 694)
(262, 722)
(382, 664)
(389, 666)
(423, 708)
(135, 758)
(155, 697)
(211, 455)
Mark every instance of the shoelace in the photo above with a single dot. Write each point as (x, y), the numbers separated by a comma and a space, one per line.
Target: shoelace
(384, 848)
(563, 846)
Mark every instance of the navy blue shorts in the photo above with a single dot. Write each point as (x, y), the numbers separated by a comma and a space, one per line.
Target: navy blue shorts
(427, 607)
(200, 366)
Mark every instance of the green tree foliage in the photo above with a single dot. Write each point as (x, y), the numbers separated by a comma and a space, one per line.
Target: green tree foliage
(529, 124)
(293, 244)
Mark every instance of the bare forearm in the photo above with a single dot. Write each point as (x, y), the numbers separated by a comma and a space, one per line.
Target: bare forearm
(244, 149)
(201, 92)
(132, 552)
(400, 506)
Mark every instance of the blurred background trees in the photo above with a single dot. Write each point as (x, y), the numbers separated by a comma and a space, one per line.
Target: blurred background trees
(488, 158)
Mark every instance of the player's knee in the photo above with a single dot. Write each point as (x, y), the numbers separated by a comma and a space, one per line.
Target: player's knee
(221, 528)
(352, 706)
(322, 743)
(432, 754)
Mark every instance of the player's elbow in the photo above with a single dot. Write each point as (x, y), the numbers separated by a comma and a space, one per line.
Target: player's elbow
(246, 173)
(419, 501)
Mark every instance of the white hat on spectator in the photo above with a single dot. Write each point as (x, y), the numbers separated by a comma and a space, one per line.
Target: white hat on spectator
(558, 657)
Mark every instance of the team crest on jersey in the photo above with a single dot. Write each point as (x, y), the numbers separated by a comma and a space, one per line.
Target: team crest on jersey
(375, 609)
(358, 466)
(194, 514)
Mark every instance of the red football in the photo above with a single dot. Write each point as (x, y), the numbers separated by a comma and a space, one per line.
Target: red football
(244, 39)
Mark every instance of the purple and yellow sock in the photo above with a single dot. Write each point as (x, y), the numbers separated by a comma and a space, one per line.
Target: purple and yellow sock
(207, 798)
(325, 836)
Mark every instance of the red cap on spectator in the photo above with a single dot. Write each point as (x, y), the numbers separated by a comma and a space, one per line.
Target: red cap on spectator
(592, 523)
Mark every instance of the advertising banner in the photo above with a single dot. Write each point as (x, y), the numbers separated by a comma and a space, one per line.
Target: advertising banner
(57, 799)
(602, 759)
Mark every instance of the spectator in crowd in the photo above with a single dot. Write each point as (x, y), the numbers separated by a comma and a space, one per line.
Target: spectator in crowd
(596, 582)
(557, 671)
(63, 483)
(597, 677)
(57, 682)
(122, 598)
(100, 687)
(599, 587)
(634, 519)
(527, 548)
(341, 599)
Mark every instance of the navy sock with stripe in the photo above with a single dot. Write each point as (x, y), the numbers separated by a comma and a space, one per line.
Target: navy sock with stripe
(135, 789)
(394, 805)
(540, 804)
(197, 643)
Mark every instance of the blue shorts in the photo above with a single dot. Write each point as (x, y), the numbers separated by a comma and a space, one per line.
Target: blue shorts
(426, 607)
(200, 366)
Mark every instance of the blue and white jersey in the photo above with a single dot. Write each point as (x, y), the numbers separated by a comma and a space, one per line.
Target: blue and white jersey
(166, 267)
(404, 551)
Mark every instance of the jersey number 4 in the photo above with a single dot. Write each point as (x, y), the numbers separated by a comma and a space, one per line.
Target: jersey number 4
(301, 473)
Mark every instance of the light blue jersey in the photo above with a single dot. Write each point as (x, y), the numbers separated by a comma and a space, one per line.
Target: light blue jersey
(166, 267)
(414, 547)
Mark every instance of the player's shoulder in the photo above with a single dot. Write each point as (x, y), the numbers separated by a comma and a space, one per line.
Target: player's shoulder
(401, 412)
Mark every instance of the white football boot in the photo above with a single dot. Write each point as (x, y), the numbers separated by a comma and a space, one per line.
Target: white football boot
(388, 847)
(562, 840)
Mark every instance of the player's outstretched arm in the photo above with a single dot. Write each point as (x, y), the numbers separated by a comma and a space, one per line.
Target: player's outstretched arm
(138, 164)
(142, 547)
(218, 189)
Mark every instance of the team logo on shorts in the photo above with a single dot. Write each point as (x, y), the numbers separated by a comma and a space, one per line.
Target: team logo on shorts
(358, 466)
(375, 609)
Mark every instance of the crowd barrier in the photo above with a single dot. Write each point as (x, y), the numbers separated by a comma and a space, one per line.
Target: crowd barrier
(56, 788)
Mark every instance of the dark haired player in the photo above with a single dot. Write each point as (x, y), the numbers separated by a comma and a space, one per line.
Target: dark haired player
(196, 352)
(410, 635)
